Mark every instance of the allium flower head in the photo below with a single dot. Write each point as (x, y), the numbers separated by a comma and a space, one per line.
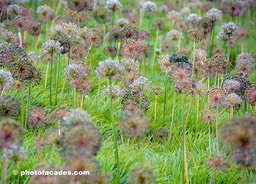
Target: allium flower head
(250, 94)
(232, 8)
(140, 85)
(193, 19)
(10, 133)
(231, 100)
(37, 117)
(51, 48)
(113, 5)
(231, 86)
(240, 136)
(245, 56)
(102, 15)
(164, 63)
(82, 139)
(15, 153)
(209, 116)
(159, 24)
(6, 80)
(116, 91)
(244, 84)
(174, 35)
(173, 15)
(196, 34)
(9, 107)
(14, 9)
(130, 65)
(34, 28)
(216, 96)
(77, 117)
(133, 124)
(141, 174)
(149, 7)
(227, 32)
(122, 22)
(217, 163)
(74, 71)
(45, 12)
(80, 5)
(21, 23)
(214, 14)
(110, 50)
(109, 68)
(243, 68)
(199, 88)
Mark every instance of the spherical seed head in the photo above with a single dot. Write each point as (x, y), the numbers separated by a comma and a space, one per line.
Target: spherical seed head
(231, 86)
(173, 15)
(243, 68)
(227, 32)
(60, 113)
(37, 117)
(193, 19)
(77, 117)
(129, 32)
(6, 80)
(209, 116)
(245, 56)
(74, 71)
(216, 96)
(244, 84)
(157, 91)
(140, 174)
(116, 91)
(199, 88)
(9, 107)
(196, 34)
(133, 124)
(14, 9)
(149, 7)
(164, 63)
(82, 139)
(80, 5)
(130, 65)
(174, 35)
(232, 8)
(110, 50)
(140, 85)
(217, 163)
(15, 153)
(82, 163)
(133, 100)
(34, 28)
(122, 22)
(82, 86)
(10, 133)
(45, 13)
(214, 14)
(102, 15)
(250, 94)
(198, 56)
(51, 48)
(231, 100)
(109, 69)
(21, 23)
(113, 5)
(159, 24)
(240, 136)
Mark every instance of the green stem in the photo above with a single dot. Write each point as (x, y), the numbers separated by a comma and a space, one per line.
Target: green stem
(28, 103)
(115, 132)
(217, 130)
(51, 82)
(165, 93)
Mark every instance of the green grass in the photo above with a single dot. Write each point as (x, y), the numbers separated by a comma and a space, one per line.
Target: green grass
(165, 157)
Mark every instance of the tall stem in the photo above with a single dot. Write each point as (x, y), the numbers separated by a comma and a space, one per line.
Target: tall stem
(217, 130)
(4, 171)
(209, 134)
(114, 131)
(28, 104)
(165, 93)
(154, 54)
(51, 82)
(155, 107)
(39, 146)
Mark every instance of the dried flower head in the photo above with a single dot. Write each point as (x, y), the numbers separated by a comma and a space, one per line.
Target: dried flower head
(113, 5)
(173, 15)
(80, 5)
(82, 139)
(231, 100)
(133, 124)
(77, 117)
(14, 10)
(199, 88)
(102, 15)
(140, 174)
(37, 117)
(9, 107)
(217, 163)
(240, 136)
(130, 65)
(227, 32)
(6, 80)
(51, 48)
(10, 133)
(231, 86)
(45, 13)
(164, 63)
(116, 91)
(109, 69)
(216, 97)
(140, 85)
(193, 19)
(15, 153)
(250, 94)
(209, 116)
(196, 34)
(214, 14)
(232, 8)
(174, 35)
(149, 7)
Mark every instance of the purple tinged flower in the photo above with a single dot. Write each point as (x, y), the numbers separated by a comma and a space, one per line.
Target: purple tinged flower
(6, 80)
(140, 85)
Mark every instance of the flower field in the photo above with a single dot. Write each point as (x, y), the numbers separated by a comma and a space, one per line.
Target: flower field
(127, 92)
